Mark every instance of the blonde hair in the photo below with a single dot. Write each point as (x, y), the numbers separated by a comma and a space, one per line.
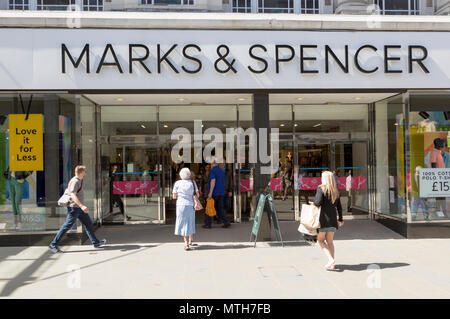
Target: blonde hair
(329, 186)
(80, 169)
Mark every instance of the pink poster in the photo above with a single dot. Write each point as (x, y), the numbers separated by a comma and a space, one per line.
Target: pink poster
(311, 183)
(276, 184)
(135, 187)
(245, 185)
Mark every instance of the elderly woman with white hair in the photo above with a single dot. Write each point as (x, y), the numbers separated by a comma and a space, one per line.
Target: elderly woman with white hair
(183, 192)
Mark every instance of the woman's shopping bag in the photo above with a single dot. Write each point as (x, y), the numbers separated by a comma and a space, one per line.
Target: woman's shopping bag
(306, 231)
(310, 216)
(210, 210)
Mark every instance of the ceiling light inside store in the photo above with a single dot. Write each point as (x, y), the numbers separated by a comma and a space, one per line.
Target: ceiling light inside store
(281, 124)
(181, 99)
(242, 99)
(119, 99)
(357, 98)
(166, 126)
(299, 99)
(142, 125)
(317, 125)
(295, 124)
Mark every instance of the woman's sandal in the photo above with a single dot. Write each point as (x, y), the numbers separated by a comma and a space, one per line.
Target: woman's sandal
(192, 244)
(187, 247)
(330, 266)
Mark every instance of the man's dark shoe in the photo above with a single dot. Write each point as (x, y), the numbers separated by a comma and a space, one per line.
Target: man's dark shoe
(55, 249)
(226, 225)
(100, 243)
(206, 226)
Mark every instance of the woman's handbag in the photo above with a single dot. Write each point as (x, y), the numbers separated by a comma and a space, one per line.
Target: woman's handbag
(197, 204)
(310, 216)
(210, 210)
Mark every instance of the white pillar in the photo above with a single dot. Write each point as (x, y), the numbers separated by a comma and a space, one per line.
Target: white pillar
(254, 4)
(297, 6)
(33, 5)
(79, 5)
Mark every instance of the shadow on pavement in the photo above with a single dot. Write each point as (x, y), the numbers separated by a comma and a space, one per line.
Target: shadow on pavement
(289, 244)
(218, 247)
(115, 247)
(362, 267)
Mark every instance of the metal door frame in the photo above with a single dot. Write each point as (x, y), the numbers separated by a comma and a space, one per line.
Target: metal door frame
(330, 139)
(131, 140)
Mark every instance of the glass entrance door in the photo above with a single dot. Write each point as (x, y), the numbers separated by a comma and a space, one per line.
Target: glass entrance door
(347, 159)
(350, 161)
(311, 160)
(131, 191)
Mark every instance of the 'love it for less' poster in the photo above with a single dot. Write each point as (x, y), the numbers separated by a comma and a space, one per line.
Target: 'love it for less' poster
(26, 143)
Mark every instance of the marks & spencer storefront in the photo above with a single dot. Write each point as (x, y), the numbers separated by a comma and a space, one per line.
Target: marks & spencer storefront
(373, 106)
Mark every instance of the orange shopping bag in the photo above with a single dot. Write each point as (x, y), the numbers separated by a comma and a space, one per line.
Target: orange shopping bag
(210, 210)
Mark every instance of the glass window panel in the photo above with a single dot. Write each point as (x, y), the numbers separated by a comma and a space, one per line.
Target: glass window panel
(430, 157)
(64, 123)
(389, 158)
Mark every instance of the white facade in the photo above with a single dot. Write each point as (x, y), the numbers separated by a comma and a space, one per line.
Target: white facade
(415, 7)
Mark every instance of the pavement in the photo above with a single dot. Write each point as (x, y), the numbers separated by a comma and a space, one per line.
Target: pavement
(148, 261)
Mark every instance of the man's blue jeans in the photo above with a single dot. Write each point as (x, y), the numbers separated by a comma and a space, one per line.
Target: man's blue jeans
(72, 214)
(219, 205)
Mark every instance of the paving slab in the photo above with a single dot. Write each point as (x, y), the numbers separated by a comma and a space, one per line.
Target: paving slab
(149, 262)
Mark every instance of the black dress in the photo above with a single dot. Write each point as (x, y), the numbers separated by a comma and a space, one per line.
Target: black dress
(328, 216)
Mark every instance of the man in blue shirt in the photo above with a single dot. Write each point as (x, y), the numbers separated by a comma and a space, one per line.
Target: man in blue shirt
(217, 192)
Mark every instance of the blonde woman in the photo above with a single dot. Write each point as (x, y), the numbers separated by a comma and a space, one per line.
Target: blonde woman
(327, 197)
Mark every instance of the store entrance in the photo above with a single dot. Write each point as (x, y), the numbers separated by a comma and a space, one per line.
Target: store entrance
(131, 182)
(302, 162)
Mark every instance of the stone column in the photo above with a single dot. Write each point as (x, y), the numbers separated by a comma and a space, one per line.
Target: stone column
(261, 120)
(51, 152)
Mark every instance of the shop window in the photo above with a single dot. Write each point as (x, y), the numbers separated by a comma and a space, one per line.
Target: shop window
(309, 6)
(276, 6)
(61, 5)
(241, 6)
(28, 197)
(19, 5)
(398, 7)
(429, 173)
(389, 158)
(93, 5)
(168, 2)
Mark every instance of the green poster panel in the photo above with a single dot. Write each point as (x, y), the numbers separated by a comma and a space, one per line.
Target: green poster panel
(272, 214)
(258, 214)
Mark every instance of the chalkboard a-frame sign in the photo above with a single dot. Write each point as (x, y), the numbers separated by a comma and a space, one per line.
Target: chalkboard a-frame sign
(273, 217)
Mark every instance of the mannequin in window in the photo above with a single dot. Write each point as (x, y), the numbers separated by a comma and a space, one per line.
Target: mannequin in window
(16, 182)
(437, 161)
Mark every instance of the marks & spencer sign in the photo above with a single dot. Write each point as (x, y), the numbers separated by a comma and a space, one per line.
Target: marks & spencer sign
(215, 59)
